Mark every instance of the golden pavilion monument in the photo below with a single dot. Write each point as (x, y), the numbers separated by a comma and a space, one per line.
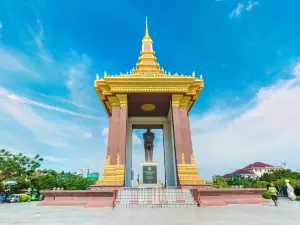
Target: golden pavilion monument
(149, 97)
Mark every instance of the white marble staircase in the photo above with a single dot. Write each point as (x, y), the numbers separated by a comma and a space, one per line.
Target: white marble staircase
(154, 198)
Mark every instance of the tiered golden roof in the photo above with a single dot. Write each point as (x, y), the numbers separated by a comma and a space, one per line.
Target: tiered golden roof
(147, 77)
(147, 62)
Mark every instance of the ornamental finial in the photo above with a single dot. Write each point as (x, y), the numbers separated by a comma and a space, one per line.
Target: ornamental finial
(118, 159)
(201, 77)
(105, 74)
(147, 31)
(193, 74)
(97, 76)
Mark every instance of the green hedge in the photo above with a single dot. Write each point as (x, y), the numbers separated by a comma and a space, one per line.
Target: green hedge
(266, 195)
(24, 198)
(298, 198)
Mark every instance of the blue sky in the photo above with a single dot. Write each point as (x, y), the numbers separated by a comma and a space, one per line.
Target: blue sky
(247, 51)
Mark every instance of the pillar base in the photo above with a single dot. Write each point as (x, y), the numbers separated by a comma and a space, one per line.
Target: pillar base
(113, 175)
(188, 175)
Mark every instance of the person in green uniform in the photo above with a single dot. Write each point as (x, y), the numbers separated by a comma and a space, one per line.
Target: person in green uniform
(273, 191)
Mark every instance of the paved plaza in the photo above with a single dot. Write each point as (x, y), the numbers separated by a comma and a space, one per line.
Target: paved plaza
(29, 213)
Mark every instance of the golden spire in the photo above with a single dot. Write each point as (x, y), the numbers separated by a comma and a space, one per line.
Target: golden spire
(147, 63)
(147, 37)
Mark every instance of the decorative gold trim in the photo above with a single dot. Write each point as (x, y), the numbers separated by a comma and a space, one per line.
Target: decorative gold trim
(107, 161)
(115, 101)
(148, 107)
(182, 158)
(192, 159)
(182, 102)
(187, 88)
(113, 174)
(176, 100)
(122, 99)
(188, 175)
(118, 159)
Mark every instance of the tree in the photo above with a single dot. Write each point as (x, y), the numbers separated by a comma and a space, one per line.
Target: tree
(13, 166)
(18, 167)
(220, 182)
(27, 173)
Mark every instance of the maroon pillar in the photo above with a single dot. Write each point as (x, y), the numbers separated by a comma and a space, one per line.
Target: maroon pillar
(182, 135)
(177, 134)
(122, 134)
(186, 136)
(117, 135)
(112, 146)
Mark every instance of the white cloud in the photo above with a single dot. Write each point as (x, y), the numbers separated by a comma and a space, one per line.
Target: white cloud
(9, 62)
(241, 7)
(251, 5)
(31, 155)
(237, 11)
(38, 39)
(88, 135)
(52, 158)
(296, 70)
(268, 130)
(46, 128)
(78, 79)
(105, 132)
(11, 96)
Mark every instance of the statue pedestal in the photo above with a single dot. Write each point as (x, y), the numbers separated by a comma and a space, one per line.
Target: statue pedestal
(148, 175)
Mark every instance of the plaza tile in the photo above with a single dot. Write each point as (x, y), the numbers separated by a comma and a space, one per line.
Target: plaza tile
(28, 213)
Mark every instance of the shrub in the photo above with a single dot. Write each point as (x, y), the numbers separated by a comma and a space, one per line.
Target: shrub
(296, 185)
(266, 195)
(298, 198)
(260, 184)
(1, 187)
(24, 198)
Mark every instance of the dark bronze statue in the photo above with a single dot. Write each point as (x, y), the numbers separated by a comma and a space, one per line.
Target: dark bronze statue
(148, 145)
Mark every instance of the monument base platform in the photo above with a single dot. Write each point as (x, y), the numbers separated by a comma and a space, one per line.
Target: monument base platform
(227, 196)
(86, 198)
(110, 196)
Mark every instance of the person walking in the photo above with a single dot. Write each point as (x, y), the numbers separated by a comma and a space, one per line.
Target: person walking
(273, 191)
(290, 191)
(5, 195)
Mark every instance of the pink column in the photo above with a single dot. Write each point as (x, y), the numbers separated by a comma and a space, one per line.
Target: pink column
(182, 135)
(112, 147)
(177, 134)
(117, 135)
(186, 136)
(122, 134)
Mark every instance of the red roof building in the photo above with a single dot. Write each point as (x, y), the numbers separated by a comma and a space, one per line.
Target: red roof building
(255, 170)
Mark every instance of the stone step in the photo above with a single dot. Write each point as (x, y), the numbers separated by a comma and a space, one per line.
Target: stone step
(154, 197)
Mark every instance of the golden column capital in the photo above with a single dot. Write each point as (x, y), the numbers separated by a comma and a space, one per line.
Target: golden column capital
(180, 101)
(176, 100)
(122, 99)
(117, 101)
(113, 102)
